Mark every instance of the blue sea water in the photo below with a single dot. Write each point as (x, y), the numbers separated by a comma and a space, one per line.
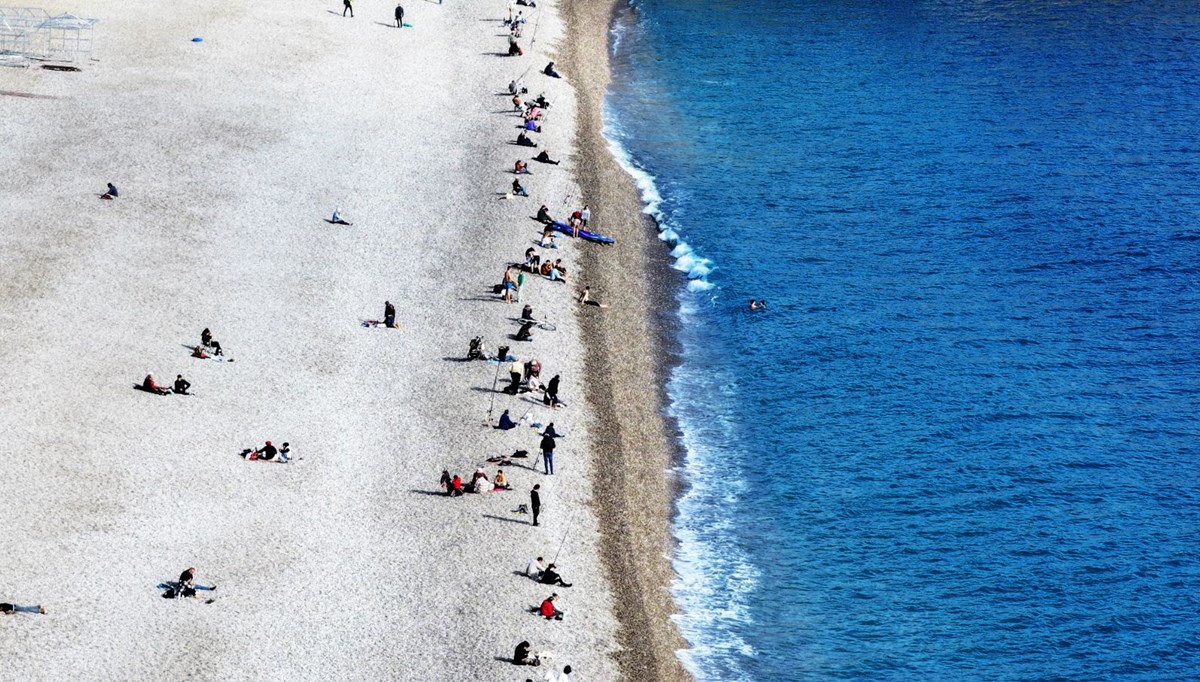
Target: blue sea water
(961, 442)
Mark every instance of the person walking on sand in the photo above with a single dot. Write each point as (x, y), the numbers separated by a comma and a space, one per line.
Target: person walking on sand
(535, 502)
(399, 16)
(349, 7)
(548, 454)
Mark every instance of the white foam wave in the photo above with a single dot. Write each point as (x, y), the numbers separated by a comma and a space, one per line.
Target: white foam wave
(698, 269)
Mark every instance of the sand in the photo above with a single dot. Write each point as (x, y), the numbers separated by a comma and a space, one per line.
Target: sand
(346, 564)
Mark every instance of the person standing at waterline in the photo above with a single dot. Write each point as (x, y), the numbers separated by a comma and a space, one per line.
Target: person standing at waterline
(399, 16)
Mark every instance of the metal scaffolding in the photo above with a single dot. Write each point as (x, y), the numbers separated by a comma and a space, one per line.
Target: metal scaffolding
(28, 33)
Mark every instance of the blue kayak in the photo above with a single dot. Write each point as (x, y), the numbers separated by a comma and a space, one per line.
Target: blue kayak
(583, 234)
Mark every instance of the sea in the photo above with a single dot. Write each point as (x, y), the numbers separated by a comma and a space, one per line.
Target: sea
(961, 440)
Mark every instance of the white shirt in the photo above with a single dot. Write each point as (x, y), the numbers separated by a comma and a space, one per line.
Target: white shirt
(535, 568)
(586, 214)
(557, 677)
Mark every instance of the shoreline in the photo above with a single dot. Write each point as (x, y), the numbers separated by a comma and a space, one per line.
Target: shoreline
(635, 443)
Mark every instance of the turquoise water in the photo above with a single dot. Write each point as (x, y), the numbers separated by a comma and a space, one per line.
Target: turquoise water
(960, 443)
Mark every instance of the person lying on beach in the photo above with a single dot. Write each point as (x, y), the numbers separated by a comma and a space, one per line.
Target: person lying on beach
(550, 71)
(518, 188)
(527, 3)
(11, 609)
(524, 141)
(112, 192)
(199, 352)
(544, 157)
(535, 569)
(564, 676)
(501, 481)
(586, 299)
(148, 384)
(206, 338)
(185, 586)
(551, 577)
(181, 385)
(506, 422)
(549, 610)
(543, 215)
(532, 126)
(549, 240)
(521, 168)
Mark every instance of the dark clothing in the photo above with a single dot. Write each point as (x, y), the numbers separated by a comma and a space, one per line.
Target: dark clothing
(446, 483)
(551, 577)
(535, 503)
(349, 8)
(521, 655)
(527, 312)
(112, 190)
(206, 337)
(551, 432)
(389, 315)
(182, 385)
(506, 422)
(267, 452)
(187, 576)
(543, 215)
(552, 395)
(548, 443)
(399, 16)
(545, 158)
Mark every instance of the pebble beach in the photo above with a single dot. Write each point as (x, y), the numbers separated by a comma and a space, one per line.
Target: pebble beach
(349, 562)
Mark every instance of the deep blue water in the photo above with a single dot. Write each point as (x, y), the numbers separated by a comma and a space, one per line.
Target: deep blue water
(961, 443)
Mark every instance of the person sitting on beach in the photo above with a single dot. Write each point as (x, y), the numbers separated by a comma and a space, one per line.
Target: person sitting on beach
(187, 581)
(518, 188)
(544, 157)
(543, 215)
(148, 384)
(111, 193)
(551, 577)
(558, 272)
(506, 422)
(586, 299)
(456, 486)
(514, 50)
(521, 655)
(10, 609)
(533, 261)
(549, 239)
(266, 452)
(541, 101)
(547, 266)
(501, 481)
(521, 168)
(516, 100)
(285, 454)
(479, 481)
(525, 333)
(389, 315)
(524, 141)
(513, 87)
(549, 610)
(550, 71)
(181, 385)
(527, 312)
(445, 482)
(207, 339)
(336, 219)
(535, 569)
(532, 126)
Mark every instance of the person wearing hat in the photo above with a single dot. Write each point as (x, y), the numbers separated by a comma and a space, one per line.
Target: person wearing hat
(266, 452)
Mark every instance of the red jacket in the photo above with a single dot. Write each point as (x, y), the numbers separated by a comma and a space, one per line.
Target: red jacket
(548, 609)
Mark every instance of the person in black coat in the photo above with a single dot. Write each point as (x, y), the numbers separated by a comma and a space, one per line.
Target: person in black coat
(548, 454)
(399, 16)
(535, 502)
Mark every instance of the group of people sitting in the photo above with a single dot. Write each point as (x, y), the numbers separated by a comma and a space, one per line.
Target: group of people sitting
(543, 573)
(268, 453)
(180, 386)
(480, 483)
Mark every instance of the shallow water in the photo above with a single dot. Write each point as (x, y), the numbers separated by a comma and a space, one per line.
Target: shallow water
(961, 441)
